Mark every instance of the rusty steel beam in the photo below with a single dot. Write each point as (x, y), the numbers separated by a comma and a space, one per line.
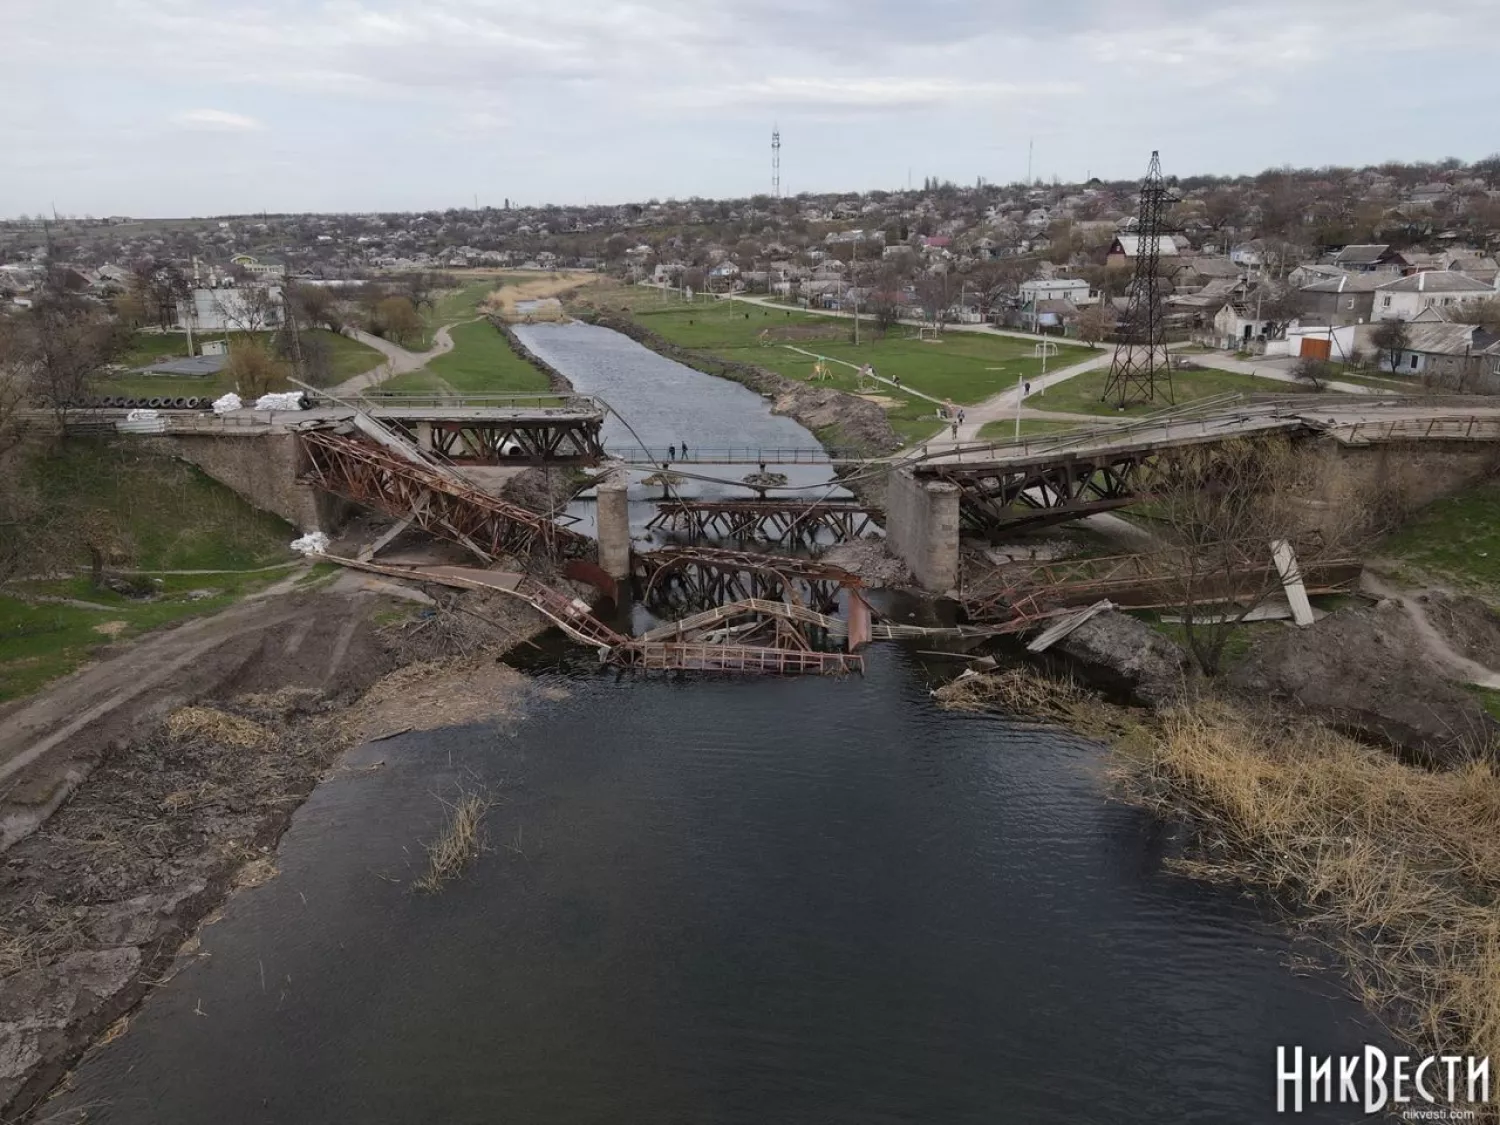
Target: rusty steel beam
(775, 521)
(508, 441)
(436, 502)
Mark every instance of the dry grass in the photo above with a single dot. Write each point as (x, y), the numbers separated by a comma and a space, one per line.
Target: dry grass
(461, 840)
(1031, 694)
(212, 725)
(1398, 866)
(503, 301)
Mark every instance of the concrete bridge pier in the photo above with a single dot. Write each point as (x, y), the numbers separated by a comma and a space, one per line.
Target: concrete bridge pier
(612, 517)
(922, 528)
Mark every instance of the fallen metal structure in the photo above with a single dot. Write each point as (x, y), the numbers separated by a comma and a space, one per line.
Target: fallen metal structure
(1156, 580)
(667, 649)
(774, 521)
(402, 485)
(689, 579)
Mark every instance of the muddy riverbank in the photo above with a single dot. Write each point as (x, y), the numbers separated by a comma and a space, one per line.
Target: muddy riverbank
(184, 791)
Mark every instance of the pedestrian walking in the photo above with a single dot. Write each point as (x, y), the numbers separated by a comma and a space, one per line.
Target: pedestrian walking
(1027, 391)
(684, 451)
(955, 429)
(960, 416)
(672, 452)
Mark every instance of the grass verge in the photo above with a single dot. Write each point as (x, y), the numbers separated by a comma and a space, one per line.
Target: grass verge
(481, 362)
(1455, 541)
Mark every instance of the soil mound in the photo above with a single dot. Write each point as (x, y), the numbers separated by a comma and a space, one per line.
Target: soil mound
(1365, 671)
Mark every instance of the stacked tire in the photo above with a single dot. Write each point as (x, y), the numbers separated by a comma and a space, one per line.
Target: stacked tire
(120, 402)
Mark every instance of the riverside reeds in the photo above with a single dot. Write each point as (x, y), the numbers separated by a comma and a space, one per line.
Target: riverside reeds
(1396, 866)
(461, 840)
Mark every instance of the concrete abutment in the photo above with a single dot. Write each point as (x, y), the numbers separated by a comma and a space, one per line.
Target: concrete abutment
(922, 528)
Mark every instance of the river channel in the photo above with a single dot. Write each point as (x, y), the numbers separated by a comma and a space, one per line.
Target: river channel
(725, 900)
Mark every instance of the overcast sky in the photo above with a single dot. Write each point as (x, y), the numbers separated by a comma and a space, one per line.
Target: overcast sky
(190, 107)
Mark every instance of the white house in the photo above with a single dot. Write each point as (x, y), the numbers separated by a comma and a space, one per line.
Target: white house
(248, 309)
(1059, 289)
(1405, 297)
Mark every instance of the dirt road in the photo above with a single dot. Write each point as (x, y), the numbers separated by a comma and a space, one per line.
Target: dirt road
(50, 743)
(398, 361)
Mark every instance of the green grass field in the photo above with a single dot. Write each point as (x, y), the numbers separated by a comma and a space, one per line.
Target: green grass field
(452, 306)
(155, 514)
(1030, 427)
(1455, 541)
(481, 362)
(346, 358)
(1083, 393)
(964, 367)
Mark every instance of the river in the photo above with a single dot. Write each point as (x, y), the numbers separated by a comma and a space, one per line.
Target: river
(740, 901)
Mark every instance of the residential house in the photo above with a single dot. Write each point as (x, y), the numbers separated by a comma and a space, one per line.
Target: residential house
(1059, 289)
(1346, 299)
(1237, 326)
(1126, 248)
(1405, 297)
(1310, 272)
(1369, 258)
(239, 309)
(1437, 349)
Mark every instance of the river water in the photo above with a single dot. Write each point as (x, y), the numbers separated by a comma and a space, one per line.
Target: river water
(748, 901)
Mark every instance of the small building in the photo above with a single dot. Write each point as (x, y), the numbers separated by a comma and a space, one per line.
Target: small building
(1070, 289)
(1369, 258)
(1405, 297)
(1345, 299)
(1444, 350)
(1126, 248)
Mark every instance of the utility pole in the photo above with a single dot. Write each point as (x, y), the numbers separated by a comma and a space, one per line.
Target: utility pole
(854, 276)
(290, 316)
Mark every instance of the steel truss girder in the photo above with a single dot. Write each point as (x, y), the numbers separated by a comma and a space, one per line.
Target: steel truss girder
(539, 441)
(440, 505)
(788, 522)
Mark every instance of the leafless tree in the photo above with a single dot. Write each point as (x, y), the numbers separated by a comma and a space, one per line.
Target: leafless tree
(1314, 372)
(1485, 314)
(254, 370)
(1391, 337)
(397, 319)
(932, 294)
(316, 306)
(1221, 508)
(252, 308)
(1095, 322)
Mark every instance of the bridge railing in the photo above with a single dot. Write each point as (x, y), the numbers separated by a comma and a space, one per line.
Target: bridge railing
(734, 455)
(395, 402)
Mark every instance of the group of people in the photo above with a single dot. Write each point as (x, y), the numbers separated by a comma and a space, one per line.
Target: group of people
(672, 451)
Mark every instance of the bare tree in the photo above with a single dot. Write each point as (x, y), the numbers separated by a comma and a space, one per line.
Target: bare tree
(1485, 314)
(57, 348)
(1095, 322)
(252, 308)
(254, 370)
(1222, 508)
(1391, 338)
(932, 295)
(397, 319)
(316, 306)
(159, 286)
(1314, 372)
